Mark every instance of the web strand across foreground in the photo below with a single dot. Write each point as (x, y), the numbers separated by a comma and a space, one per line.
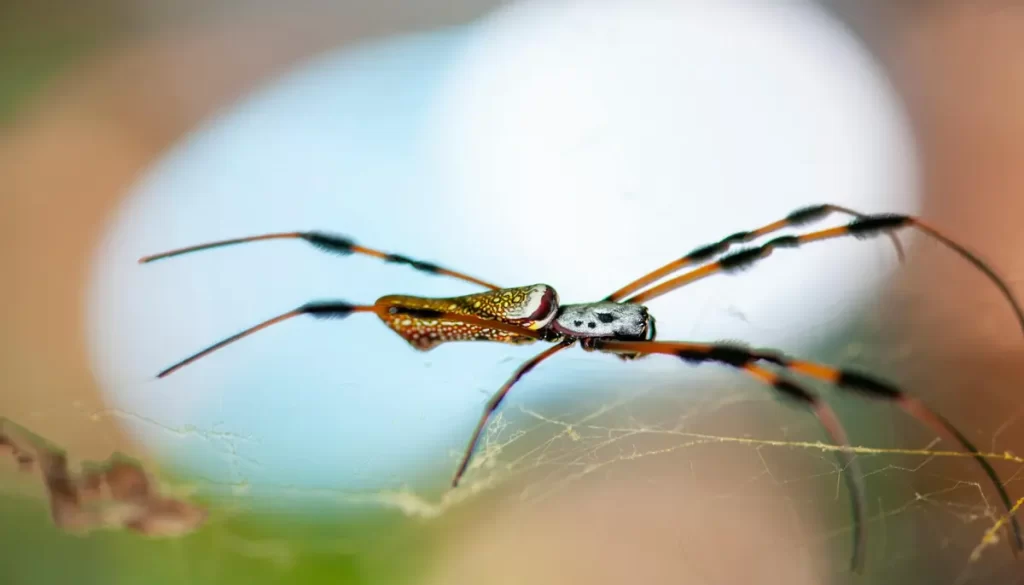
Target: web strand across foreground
(578, 447)
(544, 454)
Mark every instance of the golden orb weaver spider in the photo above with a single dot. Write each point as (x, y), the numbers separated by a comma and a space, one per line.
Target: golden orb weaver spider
(619, 324)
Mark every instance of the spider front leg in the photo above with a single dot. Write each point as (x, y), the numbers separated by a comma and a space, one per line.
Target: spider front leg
(861, 228)
(705, 253)
(331, 243)
(743, 358)
(386, 310)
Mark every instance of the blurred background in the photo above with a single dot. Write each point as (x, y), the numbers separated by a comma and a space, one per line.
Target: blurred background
(521, 143)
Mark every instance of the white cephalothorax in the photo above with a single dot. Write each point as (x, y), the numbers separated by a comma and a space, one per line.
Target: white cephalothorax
(610, 320)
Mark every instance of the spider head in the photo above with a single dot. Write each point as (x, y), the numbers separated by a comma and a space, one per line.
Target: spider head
(622, 321)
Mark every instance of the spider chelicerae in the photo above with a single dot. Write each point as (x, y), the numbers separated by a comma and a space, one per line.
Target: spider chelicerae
(621, 325)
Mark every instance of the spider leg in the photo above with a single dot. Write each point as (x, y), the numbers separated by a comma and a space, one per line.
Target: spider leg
(705, 253)
(860, 228)
(740, 357)
(495, 401)
(342, 309)
(848, 465)
(327, 243)
(786, 389)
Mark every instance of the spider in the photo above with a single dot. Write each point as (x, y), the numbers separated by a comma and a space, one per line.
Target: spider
(621, 325)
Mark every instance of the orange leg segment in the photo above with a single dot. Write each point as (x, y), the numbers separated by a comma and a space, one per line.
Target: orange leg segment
(706, 253)
(861, 228)
(328, 243)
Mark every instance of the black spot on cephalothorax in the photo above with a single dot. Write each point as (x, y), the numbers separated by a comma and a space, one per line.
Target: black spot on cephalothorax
(605, 317)
(808, 214)
(591, 324)
(578, 323)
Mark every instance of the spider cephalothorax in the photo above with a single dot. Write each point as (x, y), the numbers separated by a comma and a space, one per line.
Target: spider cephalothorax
(604, 320)
(620, 325)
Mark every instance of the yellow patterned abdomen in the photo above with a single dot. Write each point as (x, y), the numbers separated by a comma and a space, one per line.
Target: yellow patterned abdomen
(531, 307)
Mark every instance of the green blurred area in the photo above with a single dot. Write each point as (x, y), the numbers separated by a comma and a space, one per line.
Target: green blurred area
(28, 63)
(247, 548)
(234, 545)
(39, 40)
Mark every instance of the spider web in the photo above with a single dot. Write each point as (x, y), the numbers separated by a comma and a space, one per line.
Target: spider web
(921, 491)
(563, 449)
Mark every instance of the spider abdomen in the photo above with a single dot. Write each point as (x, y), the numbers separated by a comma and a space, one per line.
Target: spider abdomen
(414, 318)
